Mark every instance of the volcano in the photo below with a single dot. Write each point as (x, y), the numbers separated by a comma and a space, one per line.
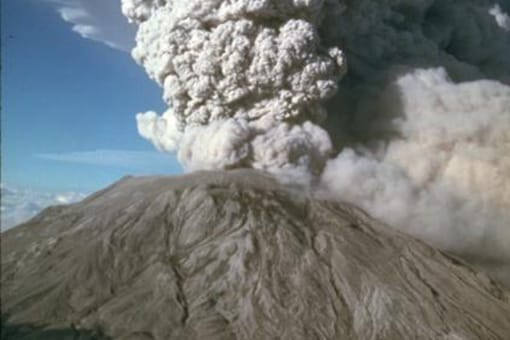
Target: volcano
(233, 255)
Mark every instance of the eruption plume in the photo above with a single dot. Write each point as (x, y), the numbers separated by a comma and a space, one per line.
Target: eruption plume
(245, 81)
(401, 107)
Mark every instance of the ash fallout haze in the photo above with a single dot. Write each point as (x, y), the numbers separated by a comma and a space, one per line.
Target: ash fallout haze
(400, 107)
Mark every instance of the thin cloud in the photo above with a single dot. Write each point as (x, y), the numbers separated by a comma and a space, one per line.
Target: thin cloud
(138, 161)
(98, 20)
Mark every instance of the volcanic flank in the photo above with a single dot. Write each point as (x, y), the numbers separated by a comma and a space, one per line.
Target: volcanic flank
(233, 255)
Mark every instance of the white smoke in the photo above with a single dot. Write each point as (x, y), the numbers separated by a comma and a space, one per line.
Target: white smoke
(418, 127)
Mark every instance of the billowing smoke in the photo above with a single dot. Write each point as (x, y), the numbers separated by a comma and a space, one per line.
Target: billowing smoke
(446, 176)
(401, 107)
(246, 81)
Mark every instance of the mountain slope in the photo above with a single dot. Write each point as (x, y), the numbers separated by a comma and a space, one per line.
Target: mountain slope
(233, 255)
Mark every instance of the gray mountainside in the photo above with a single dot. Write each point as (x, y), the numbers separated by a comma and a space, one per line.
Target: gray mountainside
(233, 255)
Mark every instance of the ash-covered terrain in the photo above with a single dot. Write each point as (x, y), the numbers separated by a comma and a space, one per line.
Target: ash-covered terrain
(233, 255)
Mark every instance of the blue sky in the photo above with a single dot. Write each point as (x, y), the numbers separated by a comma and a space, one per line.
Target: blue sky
(69, 103)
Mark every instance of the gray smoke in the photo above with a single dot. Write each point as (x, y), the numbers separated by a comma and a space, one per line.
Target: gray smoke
(401, 107)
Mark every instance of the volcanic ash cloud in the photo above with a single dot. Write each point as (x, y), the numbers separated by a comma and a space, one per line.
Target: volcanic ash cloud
(245, 81)
(446, 177)
(401, 107)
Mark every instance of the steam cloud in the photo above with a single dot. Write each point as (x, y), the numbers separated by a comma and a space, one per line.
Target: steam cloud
(401, 107)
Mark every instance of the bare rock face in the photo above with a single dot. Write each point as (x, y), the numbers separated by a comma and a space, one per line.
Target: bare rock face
(233, 255)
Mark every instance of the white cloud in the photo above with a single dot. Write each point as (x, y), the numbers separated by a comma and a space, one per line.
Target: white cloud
(98, 20)
(136, 161)
(502, 18)
(20, 204)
